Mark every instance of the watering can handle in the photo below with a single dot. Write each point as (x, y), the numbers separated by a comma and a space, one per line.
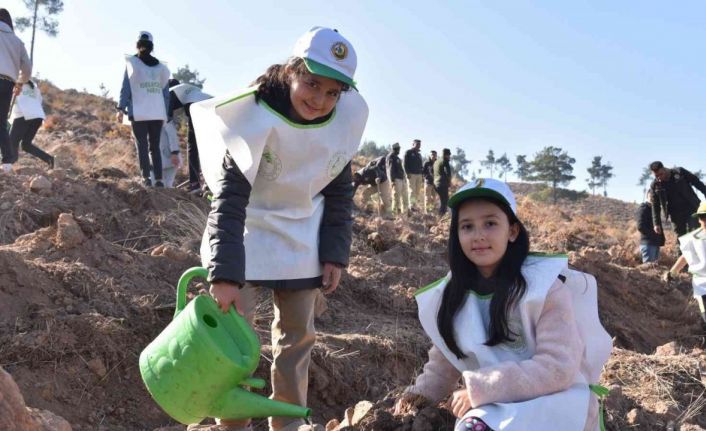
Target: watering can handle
(184, 280)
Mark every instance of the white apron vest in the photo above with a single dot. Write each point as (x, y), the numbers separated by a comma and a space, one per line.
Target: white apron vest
(693, 248)
(28, 104)
(146, 86)
(188, 93)
(168, 142)
(287, 166)
(566, 410)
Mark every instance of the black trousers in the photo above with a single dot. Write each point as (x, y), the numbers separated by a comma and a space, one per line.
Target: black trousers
(682, 226)
(22, 133)
(147, 135)
(193, 157)
(443, 192)
(5, 100)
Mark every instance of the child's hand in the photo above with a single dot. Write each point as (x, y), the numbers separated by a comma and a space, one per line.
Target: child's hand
(226, 294)
(331, 277)
(460, 402)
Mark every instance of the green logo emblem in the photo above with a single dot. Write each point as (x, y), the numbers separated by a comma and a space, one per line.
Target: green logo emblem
(339, 51)
(270, 165)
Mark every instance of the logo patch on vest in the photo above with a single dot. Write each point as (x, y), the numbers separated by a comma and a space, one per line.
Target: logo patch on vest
(518, 345)
(336, 164)
(270, 165)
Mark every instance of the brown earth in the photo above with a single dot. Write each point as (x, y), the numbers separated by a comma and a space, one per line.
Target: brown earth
(88, 269)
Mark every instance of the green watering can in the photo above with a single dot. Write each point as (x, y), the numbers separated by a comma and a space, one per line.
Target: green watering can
(199, 366)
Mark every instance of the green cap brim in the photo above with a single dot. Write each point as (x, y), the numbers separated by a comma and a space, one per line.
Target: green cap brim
(323, 70)
(478, 192)
(699, 213)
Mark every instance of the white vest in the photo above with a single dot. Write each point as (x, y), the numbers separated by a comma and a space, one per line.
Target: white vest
(693, 248)
(287, 165)
(565, 410)
(188, 93)
(168, 142)
(28, 104)
(147, 84)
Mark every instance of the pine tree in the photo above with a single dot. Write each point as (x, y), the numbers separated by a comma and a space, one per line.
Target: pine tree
(371, 150)
(188, 76)
(644, 178)
(606, 174)
(489, 162)
(44, 20)
(594, 174)
(524, 168)
(553, 165)
(504, 166)
(460, 163)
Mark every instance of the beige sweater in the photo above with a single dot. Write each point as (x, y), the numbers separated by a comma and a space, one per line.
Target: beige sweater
(557, 359)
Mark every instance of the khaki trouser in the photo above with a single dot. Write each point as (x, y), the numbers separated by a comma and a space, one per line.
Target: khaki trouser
(429, 198)
(416, 190)
(383, 191)
(399, 196)
(293, 338)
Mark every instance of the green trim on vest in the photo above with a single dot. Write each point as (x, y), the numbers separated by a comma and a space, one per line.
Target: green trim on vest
(242, 96)
(429, 286)
(479, 296)
(550, 255)
(297, 125)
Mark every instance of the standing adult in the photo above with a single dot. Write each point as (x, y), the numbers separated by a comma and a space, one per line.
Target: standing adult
(675, 197)
(650, 241)
(428, 173)
(374, 176)
(144, 97)
(182, 96)
(27, 117)
(15, 70)
(413, 167)
(395, 172)
(442, 179)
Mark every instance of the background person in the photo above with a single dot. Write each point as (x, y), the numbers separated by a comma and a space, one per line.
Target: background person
(442, 179)
(170, 152)
(650, 241)
(396, 174)
(144, 97)
(429, 191)
(675, 197)
(15, 70)
(413, 167)
(374, 177)
(28, 115)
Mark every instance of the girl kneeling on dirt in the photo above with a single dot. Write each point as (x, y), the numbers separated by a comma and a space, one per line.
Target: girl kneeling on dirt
(521, 330)
(277, 158)
(693, 248)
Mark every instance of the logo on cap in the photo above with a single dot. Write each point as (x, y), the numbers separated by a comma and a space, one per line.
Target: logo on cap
(339, 51)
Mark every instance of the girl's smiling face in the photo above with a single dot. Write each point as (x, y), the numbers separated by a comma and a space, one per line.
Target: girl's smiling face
(312, 96)
(484, 231)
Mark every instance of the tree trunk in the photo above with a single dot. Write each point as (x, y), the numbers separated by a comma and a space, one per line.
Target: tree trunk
(34, 30)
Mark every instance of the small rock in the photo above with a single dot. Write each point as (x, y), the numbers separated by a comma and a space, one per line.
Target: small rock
(669, 349)
(39, 183)
(5, 206)
(634, 416)
(332, 425)
(48, 421)
(96, 365)
(360, 411)
(171, 252)
(68, 232)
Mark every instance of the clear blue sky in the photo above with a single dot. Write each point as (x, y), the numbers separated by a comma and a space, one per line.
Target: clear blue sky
(624, 80)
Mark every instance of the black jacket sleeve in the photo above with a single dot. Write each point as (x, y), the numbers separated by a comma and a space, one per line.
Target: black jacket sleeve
(656, 205)
(644, 219)
(336, 231)
(694, 181)
(226, 224)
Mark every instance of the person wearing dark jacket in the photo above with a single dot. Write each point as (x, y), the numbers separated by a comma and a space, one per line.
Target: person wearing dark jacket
(674, 197)
(396, 174)
(144, 97)
(278, 160)
(429, 191)
(375, 178)
(650, 241)
(442, 179)
(413, 167)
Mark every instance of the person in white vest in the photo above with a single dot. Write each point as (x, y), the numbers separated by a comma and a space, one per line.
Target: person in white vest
(182, 96)
(277, 158)
(520, 330)
(693, 249)
(15, 70)
(144, 97)
(170, 153)
(27, 117)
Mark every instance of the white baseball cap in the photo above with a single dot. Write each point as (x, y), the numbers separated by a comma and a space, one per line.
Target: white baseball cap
(145, 35)
(487, 188)
(325, 52)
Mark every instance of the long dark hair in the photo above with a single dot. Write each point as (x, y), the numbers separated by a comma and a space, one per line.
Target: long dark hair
(144, 47)
(274, 84)
(6, 18)
(510, 285)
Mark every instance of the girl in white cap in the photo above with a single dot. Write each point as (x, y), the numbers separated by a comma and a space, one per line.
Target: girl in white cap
(144, 97)
(27, 117)
(520, 330)
(693, 249)
(277, 158)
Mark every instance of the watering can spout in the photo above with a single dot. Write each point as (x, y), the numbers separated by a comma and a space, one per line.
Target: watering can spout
(242, 404)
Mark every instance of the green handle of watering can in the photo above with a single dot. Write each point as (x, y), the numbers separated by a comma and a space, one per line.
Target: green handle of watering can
(183, 284)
